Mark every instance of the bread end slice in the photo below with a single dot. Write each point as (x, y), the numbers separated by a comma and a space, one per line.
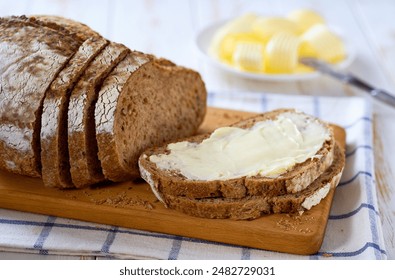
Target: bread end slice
(30, 59)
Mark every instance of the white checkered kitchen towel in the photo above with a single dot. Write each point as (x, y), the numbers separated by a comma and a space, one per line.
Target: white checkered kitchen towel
(353, 231)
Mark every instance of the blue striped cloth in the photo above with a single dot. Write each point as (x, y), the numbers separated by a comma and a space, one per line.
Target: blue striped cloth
(353, 231)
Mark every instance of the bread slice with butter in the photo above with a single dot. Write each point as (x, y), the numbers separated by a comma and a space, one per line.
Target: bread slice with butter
(253, 207)
(272, 154)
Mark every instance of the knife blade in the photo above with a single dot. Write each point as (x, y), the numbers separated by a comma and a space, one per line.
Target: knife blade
(349, 78)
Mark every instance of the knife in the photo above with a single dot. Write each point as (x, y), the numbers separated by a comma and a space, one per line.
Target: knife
(349, 78)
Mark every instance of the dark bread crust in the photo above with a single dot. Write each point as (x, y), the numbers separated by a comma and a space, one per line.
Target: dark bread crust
(85, 166)
(54, 149)
(31, 56)
(55, 26)
(156, 102)
(79, 29)
(296, 179)
(253, 207)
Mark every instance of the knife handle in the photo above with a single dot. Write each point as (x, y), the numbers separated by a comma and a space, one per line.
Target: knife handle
(383, 96)
(380, 94)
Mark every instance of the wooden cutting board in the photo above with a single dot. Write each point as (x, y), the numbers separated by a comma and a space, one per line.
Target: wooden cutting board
(132, 205)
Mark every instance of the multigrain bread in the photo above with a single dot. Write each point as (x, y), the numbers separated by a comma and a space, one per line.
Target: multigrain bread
(253, 207)
(85, 166)
(54, 149)
(299, 177)
(145, 102)
(31, 56)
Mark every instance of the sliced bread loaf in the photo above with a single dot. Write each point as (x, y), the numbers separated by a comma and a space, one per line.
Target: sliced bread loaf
(253, 207)
(169, 180)
(85, 167)
(54, 149)
(31, 56)
(145, 102)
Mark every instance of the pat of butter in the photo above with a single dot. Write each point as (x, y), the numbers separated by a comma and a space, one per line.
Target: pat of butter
(269, 148)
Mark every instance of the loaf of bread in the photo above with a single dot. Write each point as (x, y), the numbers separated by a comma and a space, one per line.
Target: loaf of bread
(282, 161)
(77, 109)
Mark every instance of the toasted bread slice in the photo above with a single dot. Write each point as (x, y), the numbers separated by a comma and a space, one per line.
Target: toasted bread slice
(255, 206)
(296, 178)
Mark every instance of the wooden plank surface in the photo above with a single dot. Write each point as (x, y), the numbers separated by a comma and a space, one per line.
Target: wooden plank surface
(133, 205)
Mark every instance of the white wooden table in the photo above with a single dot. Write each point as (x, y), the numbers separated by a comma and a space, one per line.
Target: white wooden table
(168, 28)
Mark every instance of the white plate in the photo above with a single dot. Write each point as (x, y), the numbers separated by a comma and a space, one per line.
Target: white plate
(205, 36)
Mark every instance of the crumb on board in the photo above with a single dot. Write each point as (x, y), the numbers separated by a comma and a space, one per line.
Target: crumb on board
(296, 222)
(305, 230)
(122, 200)
(327, 255)
(107, 196)
(87, 193)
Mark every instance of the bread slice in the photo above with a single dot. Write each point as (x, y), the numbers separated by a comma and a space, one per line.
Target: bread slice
(253, 207)
(31, 56)
(301, 175)
(145, 102)
(85, 167)
(54, 149)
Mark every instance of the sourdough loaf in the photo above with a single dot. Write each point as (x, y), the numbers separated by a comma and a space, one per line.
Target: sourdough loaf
(85, 166)
(54, 149)
(145, 102)
(31, 56)
(299, 177)
(253, 207)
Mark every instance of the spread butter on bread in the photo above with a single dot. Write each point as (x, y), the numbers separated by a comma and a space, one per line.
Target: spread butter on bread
(292, 178)
(272, 159)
